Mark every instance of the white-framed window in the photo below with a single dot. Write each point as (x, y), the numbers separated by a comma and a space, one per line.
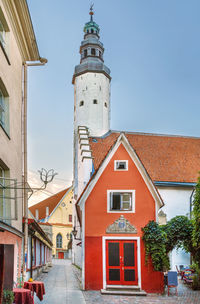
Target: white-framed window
(4, 108)
(4, 32)
(121, 201)
(121, 165)
(2, 192)
(2, 35)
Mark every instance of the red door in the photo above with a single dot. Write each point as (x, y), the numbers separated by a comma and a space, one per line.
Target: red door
(121, 262)
(61, 255)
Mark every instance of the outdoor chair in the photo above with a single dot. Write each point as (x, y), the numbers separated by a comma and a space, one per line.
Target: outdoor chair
(172, 281)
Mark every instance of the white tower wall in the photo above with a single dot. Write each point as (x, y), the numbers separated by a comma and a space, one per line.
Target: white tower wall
(88, 87)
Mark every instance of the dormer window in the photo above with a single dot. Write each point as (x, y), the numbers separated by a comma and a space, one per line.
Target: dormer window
(93, 52)
(81, 103)
(121, 165)
(95, 101)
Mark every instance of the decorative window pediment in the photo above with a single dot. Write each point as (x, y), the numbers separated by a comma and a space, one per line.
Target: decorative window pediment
(121, 225)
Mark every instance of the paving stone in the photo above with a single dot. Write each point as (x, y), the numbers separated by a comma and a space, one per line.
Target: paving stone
(62, 285)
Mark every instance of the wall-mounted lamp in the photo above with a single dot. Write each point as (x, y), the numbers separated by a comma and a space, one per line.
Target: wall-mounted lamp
(74, 232)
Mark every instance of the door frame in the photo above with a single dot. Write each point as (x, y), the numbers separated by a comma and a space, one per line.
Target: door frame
(125, 238)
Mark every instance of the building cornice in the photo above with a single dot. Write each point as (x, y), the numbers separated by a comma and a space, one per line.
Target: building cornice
(174, 184)
(9, 228)
(20, 20)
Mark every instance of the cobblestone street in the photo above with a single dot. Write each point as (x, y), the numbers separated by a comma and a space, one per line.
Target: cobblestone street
(62, 287)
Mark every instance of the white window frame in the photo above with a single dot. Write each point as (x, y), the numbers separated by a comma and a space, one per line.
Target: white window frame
(121, 191)
(2, 35)
(2, 109)
(4, 32)
(120, 160)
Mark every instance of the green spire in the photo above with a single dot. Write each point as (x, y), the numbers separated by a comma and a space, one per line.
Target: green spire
(91, 27)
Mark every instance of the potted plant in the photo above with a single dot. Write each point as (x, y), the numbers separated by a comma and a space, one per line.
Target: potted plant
(8, 296)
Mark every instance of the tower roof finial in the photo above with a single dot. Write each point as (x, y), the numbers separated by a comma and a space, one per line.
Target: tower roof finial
(91, 12)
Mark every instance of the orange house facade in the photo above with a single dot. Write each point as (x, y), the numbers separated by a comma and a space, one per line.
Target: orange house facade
(118, 201)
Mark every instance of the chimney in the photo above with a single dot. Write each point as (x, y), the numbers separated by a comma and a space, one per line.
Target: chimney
(47, 211)
(37, 214)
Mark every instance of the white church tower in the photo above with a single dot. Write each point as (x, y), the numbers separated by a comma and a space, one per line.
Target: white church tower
(91, 81)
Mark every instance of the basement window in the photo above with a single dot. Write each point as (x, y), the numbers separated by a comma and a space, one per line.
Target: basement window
(121, 165)
(121, 200)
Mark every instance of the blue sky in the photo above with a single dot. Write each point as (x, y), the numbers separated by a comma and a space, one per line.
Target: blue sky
(153, 50)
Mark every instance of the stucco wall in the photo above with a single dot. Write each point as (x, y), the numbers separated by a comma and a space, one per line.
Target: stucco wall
(177, 202)
(11, 75)
(12, 239)
(97, 219)
(60, 221)
(96, 117)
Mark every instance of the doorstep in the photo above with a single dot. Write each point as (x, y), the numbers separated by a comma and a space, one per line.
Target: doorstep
(124, 291)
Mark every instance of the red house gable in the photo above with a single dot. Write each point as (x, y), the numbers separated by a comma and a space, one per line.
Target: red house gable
(117, 191)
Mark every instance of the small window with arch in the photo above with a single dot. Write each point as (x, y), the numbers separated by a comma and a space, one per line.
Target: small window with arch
(95, 101)
(93, 52)
(81, 103)
(85, 53)
(92, 31)
(105, 104)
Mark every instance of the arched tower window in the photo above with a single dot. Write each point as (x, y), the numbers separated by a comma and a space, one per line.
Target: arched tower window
(93, 51)
(95, 101)
(81, 103)
(85, 53)
(92, 31)
(59, 240)
(105, 104)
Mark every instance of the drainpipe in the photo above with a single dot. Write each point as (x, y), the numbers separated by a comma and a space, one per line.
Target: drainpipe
(191, 195)
(43, 61)
(191, 202)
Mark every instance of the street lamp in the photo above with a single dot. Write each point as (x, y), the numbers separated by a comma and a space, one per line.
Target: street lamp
(74, 232)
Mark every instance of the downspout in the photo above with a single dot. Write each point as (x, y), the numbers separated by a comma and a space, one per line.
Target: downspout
(191, 215)
(42, 61)
(31, 272)
(191, 202)
(25, 194)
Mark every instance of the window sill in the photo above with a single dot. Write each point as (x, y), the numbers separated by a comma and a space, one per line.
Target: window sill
(5, 54)
(120, 211)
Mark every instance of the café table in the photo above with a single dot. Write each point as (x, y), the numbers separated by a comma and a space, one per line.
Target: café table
(22, 296)
(37, 287)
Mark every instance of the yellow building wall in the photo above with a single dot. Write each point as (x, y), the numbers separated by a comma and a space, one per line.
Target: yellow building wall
(60, 222)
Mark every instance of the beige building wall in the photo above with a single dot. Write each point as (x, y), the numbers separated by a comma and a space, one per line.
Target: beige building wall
(61, 223)
(11, 139)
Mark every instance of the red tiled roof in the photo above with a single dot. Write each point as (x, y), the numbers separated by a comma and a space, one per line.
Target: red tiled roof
(165, 157)
(50, 202)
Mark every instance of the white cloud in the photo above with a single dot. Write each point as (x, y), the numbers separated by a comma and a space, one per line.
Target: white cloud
(35, 183)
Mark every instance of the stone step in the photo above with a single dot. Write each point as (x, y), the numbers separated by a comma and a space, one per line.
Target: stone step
(123, 292)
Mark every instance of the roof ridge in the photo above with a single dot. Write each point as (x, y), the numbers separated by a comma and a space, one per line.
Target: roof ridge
(144, 133)
(50, 197)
